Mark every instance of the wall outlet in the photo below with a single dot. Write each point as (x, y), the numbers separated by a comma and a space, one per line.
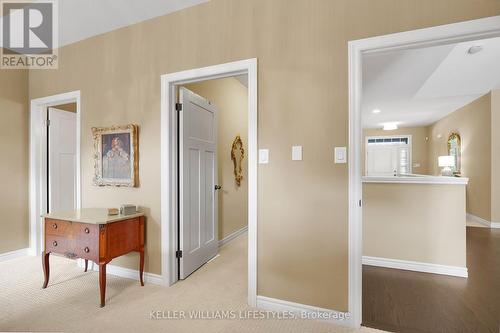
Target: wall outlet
(263, 156)
(296, 153)
(340, 155)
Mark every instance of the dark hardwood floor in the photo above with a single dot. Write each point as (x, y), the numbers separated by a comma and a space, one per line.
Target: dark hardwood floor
(403, 301)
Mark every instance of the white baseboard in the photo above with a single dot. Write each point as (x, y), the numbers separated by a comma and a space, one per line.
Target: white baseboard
(304, 311)
(14, 254)
(489, 224)
(232, 236)
(126, 273)
(416, 266)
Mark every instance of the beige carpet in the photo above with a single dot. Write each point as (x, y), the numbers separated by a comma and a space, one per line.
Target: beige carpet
(70, 303)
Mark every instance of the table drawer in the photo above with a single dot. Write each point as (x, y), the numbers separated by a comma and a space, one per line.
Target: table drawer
(85, 232)
(87, 251)
(58, 244)
(57, 227)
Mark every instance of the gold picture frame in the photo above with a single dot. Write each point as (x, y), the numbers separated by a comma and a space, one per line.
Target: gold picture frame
(237, 156)
(455, 149)
(116, 156)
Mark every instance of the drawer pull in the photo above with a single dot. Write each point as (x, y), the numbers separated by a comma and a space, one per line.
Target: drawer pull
(87, 250)
(54, 243)
(54, 226)
(87, 230)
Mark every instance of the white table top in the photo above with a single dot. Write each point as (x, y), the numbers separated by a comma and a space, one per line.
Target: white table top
(90, 215)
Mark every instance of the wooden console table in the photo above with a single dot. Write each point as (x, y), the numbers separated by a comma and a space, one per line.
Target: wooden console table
(91, 234)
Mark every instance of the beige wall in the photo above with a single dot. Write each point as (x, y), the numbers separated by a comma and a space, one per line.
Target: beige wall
(301, 46)
(231, 99)
(420, 146)
(415, 222)
(14, 147)
(71, 107)
(495, 156)
(472, 122)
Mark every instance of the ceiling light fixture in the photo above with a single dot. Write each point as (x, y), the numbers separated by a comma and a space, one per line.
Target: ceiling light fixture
(376, 111)
(475, 49)
(390, 126)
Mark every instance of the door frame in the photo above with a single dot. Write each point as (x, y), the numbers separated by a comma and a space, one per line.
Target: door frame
(444, 34)
(169, 174)
(38, 162)
(410, 144)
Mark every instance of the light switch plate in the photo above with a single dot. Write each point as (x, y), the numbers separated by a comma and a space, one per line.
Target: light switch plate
(340, 154)
(263, 156)
(296, 153)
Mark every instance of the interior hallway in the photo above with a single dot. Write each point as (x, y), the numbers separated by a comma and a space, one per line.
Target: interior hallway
(403, 301)
(71, 301)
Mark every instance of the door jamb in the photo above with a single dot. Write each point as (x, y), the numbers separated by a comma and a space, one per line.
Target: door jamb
(38, 162)
(169, 211)
(451, 33)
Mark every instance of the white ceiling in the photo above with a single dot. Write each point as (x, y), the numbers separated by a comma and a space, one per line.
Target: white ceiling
(81, 19)
(417, 87)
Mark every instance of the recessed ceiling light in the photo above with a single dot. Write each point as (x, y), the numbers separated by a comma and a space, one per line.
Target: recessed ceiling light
(390, 126)
(376, 111)
(475, 49)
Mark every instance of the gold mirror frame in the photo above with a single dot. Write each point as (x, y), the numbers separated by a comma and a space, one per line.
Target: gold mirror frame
(237, 160)
(458, 156)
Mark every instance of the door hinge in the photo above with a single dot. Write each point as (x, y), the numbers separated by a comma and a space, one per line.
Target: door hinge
(178, 254)
(47, 122)
(178, 106)
(360, 203)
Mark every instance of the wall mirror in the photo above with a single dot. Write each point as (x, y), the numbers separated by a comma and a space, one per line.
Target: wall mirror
(237, 155)
(455, 150)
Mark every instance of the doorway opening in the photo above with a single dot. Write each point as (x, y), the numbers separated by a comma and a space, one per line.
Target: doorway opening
(54, 160)
(189, 150)
(431, 108)
(213, 170)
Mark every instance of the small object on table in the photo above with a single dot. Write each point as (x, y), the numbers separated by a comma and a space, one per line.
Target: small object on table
(113, 211)
(91, 234)
(128, 209)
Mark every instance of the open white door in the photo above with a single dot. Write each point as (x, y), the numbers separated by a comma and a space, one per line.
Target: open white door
(197, 179)
(62, 160)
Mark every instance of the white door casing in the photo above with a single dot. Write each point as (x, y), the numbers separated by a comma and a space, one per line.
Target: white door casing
(62, 160)
(197, 179)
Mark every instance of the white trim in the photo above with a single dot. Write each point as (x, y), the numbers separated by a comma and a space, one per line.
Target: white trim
(15, 254)
(169, 156)
(417, 179)
(38, 161)
(489, 224)
(416, 266)
(451, 33)
(232, 236)
(304, 311)
(128, 273)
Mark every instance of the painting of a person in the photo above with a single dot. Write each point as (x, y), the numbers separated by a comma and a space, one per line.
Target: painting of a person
(116, 160)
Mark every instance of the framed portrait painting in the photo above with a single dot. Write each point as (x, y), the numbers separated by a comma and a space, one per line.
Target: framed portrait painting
(116, 156)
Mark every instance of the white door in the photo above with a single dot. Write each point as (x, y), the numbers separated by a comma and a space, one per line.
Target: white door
(388, 159)
(197, 179)
(381, 160)
(62, 160)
